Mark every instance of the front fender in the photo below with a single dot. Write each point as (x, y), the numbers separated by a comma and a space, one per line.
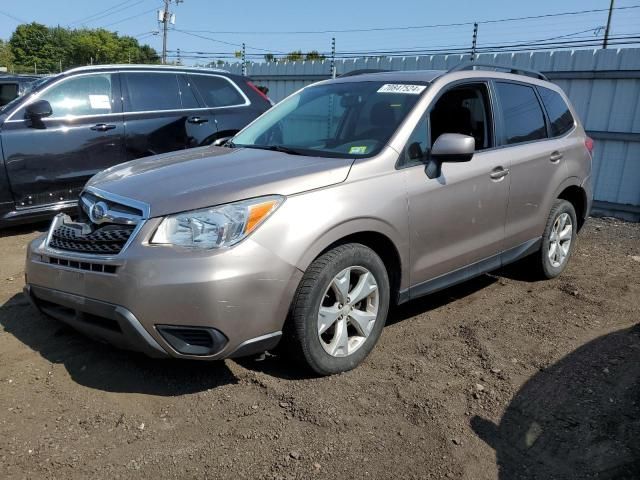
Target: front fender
(306, 224)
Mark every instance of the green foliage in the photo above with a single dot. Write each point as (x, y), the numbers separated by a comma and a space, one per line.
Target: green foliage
(6, 55)
(50, 47)
(294, 56)
(314, 55)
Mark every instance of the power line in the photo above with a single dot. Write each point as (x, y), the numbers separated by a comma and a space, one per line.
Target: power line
(12, 17)
(518, 47)
(130, 17)
(413, 50)
(186, 32)
(414, 27)
(120, 7)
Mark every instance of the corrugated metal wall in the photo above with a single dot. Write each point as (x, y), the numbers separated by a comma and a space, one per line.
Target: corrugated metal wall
(604, 86)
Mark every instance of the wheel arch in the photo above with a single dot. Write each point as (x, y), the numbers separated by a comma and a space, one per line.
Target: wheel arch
(377, 235)
(576, 196)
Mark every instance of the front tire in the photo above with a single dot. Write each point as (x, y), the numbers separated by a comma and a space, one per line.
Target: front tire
(340, 309)
(558, 239)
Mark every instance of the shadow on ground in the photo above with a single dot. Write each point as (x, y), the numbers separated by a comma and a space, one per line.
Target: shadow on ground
(578, 419)
(282, 366)
(12, 231)
(103, 367)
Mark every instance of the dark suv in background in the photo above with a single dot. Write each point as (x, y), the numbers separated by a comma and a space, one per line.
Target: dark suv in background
(73, 125)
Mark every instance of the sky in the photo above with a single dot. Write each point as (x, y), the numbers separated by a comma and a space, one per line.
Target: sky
(207, 30)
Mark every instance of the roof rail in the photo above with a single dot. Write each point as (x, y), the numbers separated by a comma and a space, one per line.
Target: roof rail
(363, 71)
(515, 70)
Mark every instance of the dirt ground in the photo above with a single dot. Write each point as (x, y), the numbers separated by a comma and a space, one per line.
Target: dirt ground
(501, 377)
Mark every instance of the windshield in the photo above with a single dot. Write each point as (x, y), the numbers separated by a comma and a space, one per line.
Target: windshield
(28, 88)
(350, 119)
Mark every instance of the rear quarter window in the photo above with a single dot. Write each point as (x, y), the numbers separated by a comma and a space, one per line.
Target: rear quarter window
(217, 91)
(557, 110)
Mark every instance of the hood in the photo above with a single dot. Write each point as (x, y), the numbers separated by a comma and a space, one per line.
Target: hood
(203, 177)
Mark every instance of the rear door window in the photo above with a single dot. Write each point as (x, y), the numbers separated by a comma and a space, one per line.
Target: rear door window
(217, 91)
(187, 95)
(557, 110)
(149, 91)
(523, 120)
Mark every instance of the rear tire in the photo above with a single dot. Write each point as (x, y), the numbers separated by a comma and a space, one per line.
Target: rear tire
(558, 240)
(339, 309)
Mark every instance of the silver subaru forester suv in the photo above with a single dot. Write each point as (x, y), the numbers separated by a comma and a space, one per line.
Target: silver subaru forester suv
(349, 196)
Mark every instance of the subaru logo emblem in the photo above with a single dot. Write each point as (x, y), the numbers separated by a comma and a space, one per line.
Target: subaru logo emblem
(98, 212)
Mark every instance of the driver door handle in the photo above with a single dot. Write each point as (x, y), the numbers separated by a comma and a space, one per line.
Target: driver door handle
(102, 127)
(197, 120)
(498, 173)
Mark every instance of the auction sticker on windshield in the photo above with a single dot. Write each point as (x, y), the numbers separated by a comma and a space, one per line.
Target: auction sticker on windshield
(402, 88)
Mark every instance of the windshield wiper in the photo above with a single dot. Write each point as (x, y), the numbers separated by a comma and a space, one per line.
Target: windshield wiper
(276, 148)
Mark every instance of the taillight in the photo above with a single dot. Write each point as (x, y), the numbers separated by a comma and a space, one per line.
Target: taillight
(259, 92)
(588, 142)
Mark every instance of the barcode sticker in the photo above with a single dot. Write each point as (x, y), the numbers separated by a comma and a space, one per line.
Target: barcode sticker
(402, 88)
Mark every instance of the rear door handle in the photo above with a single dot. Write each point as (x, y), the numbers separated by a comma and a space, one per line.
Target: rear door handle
(555, 156)
(498, 173)
(197, 120)
(102, 127)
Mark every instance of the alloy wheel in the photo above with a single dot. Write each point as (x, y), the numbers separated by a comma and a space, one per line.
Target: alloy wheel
(560, 240)
(348, 311)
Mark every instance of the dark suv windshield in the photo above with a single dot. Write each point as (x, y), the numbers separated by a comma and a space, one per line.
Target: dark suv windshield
(350, 119)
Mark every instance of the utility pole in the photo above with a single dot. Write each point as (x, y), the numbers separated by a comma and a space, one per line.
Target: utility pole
(333, 57)
(608, 28)
(165, 17)
(474, 41)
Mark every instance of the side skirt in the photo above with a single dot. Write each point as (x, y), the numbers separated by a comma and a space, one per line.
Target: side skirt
(470, 271)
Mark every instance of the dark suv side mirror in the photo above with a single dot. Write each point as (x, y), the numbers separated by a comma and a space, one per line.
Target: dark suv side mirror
(38, 110)
(449, 147)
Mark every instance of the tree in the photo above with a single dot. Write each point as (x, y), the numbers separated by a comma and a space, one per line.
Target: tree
(269, 57)
(49, 49)
(6, 56)
(314, 55)
(294, 56)
(34, 47)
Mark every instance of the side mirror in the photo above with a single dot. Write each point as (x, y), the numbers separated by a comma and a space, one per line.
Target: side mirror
(38, 110)
(449, 147)
(453, 147)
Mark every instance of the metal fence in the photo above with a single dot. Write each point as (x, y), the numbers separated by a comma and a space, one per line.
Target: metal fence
(604, 86)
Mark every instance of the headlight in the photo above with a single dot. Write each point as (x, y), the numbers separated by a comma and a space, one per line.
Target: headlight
(216, 227)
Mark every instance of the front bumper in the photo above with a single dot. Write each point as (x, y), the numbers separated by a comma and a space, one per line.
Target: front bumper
(243, 292)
